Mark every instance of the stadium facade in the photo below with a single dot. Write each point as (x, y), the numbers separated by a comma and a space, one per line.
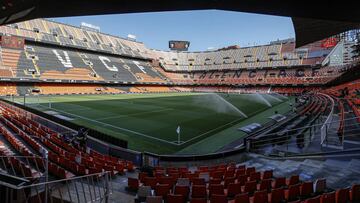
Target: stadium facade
(317, 82)
(42, 50)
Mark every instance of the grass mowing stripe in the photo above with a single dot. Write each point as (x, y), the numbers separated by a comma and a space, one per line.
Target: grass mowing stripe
(133, 114)
(234, 121)
(116, 127)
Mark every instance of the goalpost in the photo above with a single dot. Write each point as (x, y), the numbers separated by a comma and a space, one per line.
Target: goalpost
(35, 100)
(49, 101)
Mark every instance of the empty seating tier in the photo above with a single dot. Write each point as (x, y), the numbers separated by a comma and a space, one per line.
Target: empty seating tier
(65, 160)
(231, 183)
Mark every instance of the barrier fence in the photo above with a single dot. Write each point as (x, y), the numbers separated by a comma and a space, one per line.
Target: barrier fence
(320, 137)
(16, 186)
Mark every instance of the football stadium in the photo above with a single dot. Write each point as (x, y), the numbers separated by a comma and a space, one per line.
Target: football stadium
(89, 116)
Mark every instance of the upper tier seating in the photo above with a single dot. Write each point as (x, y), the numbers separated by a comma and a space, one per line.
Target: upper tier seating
(67, 35)
(37, 61)
(72, 53)
(6, 72)
(10, 58)
(258, 76)
(273, 55)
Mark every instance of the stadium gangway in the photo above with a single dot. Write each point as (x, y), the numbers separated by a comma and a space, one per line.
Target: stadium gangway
(95, 187)
(18, 166)
(325, 126)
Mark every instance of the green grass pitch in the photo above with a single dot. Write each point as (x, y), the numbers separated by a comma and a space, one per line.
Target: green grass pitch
(148, 122)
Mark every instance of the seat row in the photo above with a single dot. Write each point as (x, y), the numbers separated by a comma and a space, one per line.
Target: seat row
(289, 192)
(23, 169)
(67, 157)
(230, 183)
(54, 168)
(277, 196)
(46, 132)
(318, 104)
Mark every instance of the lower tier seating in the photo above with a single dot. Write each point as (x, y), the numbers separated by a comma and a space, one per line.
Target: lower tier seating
(232, 183)
(8, 89)
(30, 138)
(74, 89)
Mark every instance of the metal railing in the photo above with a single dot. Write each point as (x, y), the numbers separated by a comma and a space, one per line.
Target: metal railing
(88, 188)
(309, 139)
(328, 120)
(15, 166)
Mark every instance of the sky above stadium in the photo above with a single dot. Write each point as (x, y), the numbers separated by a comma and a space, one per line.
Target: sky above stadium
(203, 29)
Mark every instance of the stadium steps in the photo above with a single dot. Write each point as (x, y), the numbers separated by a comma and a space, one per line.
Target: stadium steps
(78, 192)
(339, 172)
(352, 128)
(31, 149)
(86, 191)
(309, 115)
(15, 147)
(352, 140)
(333, 141)
(311, 139)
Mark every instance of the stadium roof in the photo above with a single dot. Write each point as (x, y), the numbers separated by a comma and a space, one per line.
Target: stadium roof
(332, 17)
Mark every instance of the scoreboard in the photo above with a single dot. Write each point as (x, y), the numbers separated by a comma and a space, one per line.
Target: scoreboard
(179, 45)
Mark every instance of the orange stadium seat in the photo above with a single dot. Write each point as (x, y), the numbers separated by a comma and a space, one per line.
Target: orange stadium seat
(173, 198)
(217, 198)
(355, 193)
(233, 189)
(198, 200)
(198, 191)
(328, 198)
(342, 195)
(242, 198)
(276, 196)
(292, 193)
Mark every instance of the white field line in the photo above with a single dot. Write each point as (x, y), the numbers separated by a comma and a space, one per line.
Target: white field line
(133, 114)
(68, 109)
(144, 135)
(73, 107)
(141, 134)
(116, 127)
(79, 109)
